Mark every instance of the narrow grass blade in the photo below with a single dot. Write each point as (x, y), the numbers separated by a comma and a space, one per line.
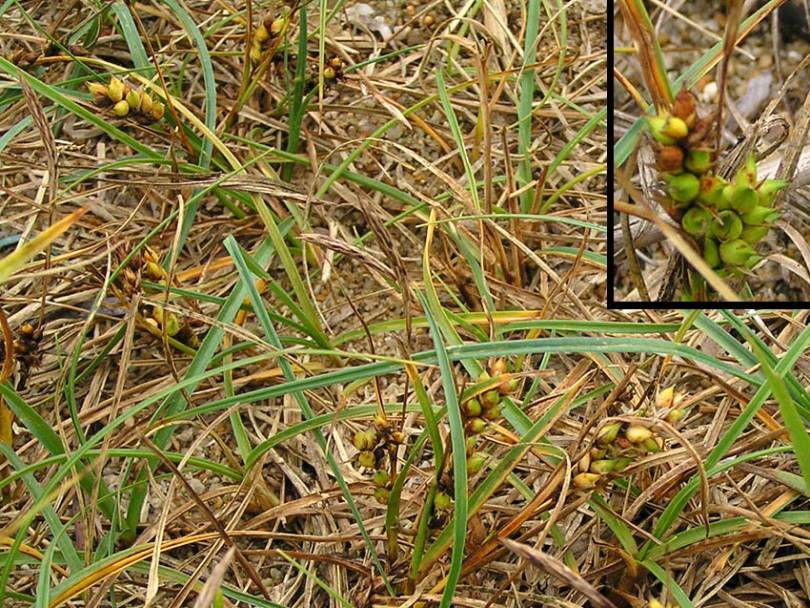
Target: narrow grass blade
(457, 441)
(16, 260)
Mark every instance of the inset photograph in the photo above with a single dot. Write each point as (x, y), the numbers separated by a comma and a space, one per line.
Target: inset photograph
(711, 114)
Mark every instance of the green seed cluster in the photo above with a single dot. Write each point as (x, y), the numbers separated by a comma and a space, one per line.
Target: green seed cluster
(727, 219)
(477, 412)
(264, 36)
(125, 100)
(616, 446)
(377, 447)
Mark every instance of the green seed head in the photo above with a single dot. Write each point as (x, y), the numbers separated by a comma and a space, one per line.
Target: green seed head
(735, 253)
(255, 52)
(381, 478)
(651, 445)
(476, 462)
(360, 441)
(491, 399)
(476, 425)
(381, 495)
(711, 190)
(744, 199)
(493, 413)
(98, 91)
(676, 128)
(367, 459)
(727, 226)
(146, 103)
(711, 252)
(608, 433)
(602, 467)
(674, 416)
(747, 175)
(261, 34)
(754, 234)
(761, 216)
(134, 100)
(158, 109)
(696, 220)
(768, 190)
(586, 481)
(508, 387)
(442, 501)
(121, 108)
(636, 433)
(472, 408)
(682, 188)
(657, 125)
(116, 90)
(698, 161)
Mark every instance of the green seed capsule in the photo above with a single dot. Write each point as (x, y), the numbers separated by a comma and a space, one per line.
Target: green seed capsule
(682, 188)
(134, 100)
(121, 108)
(261, 34)
(367, 459)
(608, 433)
(735, 253)
(508, 387)
(747, 175)
(381, 495)
(657, 125)
(711, 252)
(491, 399)
(381, 478)
(476, 426)
(754, 234)
(676, 128)
(98, 91)
(675, 415)
(651, 446)
(602, 467)
(360, 442)
(636, 433)
(727, 226)
(476, 462)
(472, 408)
(768, 190)
(442, 501)
(711, 191)
(586, 481)
(761, 216)
(146, 103)
(158, 110)
(742, 198)
(493, 413)
(255, 52)
(696, 220)
(116, 90)
(698, 161)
